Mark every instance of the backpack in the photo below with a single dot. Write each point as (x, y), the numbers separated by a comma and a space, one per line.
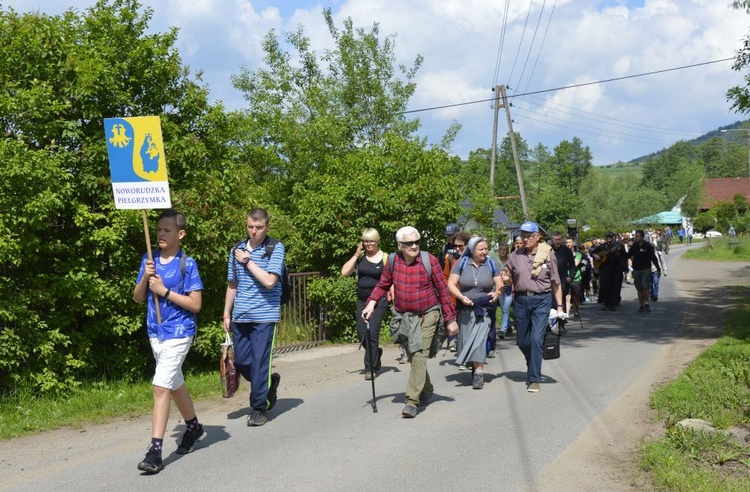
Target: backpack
(286, 283)
(465, 260)
(425, 262)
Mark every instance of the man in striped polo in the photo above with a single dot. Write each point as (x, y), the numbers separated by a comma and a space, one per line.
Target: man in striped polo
(252, 307)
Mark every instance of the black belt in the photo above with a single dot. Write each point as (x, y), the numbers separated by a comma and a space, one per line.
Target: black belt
(530, 294)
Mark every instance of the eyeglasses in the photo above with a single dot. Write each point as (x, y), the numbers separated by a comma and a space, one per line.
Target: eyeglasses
(459, 246)
(526, 238)
(368, 241)
(409, 244)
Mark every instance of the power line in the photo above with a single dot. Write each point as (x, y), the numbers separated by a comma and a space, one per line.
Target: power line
(608, 120)
(502, 43)
(531, 46)
(523, 33)
(467, 103)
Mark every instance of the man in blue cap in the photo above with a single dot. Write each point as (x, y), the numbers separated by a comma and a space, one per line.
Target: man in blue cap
(533, 271)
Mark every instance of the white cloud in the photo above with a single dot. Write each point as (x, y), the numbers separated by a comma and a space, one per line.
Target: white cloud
(585, 41)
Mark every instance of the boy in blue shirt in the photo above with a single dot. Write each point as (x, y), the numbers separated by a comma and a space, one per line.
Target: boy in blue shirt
(174, 278)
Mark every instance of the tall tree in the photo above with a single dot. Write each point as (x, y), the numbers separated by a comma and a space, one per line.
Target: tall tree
(69, 259)
(571, 162)
(740, 96)
(343, 154)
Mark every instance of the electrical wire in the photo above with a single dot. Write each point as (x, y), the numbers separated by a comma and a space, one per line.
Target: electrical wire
(467, 103)
(520, 43)
(501, 44)
(531, 46)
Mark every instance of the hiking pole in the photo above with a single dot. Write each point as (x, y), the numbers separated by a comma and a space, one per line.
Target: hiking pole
(372, 366)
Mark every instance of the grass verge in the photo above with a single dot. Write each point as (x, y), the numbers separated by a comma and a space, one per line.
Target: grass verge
(723, 249)
(21, 413)
(716, 388)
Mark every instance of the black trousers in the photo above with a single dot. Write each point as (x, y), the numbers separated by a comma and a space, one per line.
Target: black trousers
(376, 319)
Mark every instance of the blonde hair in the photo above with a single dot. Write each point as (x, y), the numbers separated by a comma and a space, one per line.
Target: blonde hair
(370, 234)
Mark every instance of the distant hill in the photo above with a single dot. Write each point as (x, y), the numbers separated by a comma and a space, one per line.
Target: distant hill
(635, 165)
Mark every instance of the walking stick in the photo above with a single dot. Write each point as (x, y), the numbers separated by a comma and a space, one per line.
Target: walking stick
(372, 367)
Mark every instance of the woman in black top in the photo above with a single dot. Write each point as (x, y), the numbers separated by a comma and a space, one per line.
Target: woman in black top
(368, 266)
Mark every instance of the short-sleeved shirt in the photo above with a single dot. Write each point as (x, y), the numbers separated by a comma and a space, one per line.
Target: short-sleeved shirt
(176, 322)
(520, 264)
(475, 281)
(254, 303)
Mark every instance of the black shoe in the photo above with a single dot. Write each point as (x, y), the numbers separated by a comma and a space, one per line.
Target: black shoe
(501, 335)
(640, 309)
(152, 463)
(256, 418)
(273, 390)
(189, 438)
(654, 298)
(509, 332)
(648, 308)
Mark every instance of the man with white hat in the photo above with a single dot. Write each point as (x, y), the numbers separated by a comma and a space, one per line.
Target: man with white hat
(533, 271)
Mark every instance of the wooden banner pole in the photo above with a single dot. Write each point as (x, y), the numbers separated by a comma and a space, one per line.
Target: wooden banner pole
(151, 258)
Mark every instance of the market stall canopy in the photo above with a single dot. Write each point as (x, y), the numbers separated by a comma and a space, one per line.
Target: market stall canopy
(667, 218)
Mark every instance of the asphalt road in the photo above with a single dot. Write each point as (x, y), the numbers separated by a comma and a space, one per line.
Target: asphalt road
(328, 438)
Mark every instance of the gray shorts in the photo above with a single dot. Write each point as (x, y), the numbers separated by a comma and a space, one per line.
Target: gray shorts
(642, 279)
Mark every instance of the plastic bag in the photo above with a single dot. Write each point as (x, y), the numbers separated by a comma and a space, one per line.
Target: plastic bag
(230, 378)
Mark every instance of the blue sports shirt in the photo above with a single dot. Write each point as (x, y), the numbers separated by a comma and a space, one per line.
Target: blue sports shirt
(176, 322)
(254, 303)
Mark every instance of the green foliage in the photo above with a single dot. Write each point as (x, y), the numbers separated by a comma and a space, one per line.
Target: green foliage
(344, 157)
(337, 294)
(739, 96)
(69, 259)
(612, 203)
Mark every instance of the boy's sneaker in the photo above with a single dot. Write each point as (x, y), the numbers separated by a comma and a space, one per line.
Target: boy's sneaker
(272, 390)
(256, 418)
(189, 438)
(152, 463)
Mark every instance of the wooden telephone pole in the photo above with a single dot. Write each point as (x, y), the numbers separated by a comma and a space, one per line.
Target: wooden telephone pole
(501, 95)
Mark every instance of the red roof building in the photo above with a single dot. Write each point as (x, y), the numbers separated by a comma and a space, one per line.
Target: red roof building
(717, 190)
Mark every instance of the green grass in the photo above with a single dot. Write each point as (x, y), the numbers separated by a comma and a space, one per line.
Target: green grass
(22, 413)
(716, 388)
(723, 249)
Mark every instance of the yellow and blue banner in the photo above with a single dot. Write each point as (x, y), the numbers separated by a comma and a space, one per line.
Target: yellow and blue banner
(137, 163)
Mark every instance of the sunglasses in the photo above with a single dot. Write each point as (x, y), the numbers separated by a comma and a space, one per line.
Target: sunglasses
(409, 244)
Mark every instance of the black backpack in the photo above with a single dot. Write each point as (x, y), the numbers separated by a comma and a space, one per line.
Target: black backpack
(286, 283)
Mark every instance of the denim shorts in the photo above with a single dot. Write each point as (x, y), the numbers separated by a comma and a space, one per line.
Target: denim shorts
(642, 279)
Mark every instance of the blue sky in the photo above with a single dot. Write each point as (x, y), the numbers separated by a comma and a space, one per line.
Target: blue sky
(578, 42)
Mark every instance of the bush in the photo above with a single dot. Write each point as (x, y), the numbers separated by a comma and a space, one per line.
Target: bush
(338, 297)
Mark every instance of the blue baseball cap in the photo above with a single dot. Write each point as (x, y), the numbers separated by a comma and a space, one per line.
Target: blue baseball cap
(451, 229)
(529, 227)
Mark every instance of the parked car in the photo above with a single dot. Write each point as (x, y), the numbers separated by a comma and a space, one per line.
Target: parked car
(713, 233)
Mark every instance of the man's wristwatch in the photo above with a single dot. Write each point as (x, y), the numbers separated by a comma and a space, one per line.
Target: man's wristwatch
(245, 260)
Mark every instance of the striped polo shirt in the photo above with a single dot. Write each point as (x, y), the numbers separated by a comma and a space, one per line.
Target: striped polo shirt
(255, 303)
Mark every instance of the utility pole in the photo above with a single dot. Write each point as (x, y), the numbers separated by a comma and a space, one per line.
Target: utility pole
(512, 135)
(494, 139)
